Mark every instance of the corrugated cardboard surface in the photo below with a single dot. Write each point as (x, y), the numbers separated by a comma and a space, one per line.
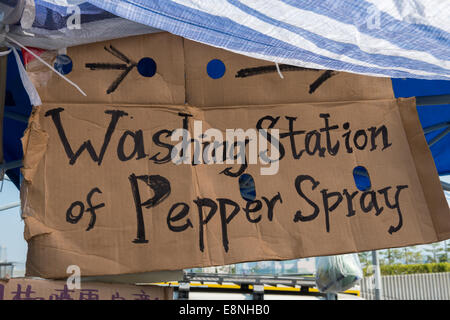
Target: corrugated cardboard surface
(165, 87)
(109, 247)
(176, 239)
(37, 289)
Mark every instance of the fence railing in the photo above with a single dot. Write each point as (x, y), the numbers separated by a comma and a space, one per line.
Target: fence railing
(6, 270)
(427, 286)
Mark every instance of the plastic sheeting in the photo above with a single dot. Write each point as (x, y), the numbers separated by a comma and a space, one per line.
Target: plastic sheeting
(57, 24)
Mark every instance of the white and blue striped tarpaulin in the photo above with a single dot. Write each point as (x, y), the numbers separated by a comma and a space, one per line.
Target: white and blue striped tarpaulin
(391, 38)
(394, 38)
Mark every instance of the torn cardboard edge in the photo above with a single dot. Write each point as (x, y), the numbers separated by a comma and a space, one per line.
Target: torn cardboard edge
(34, 144)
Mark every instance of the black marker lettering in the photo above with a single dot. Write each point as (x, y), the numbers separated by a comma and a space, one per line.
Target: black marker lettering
(327, 208)
(226, 219)
(271, 205)
(161, 189)
(180, 215)
(396, 205)
(349, 197)
(291, 134)
(138, 139)
(372, 204)
(256, 208)
(56, 117)
(157, 141)
(346, 136)
(360, 133)
(374, 133)
(298, 182)
(204, 202)
(268, 136)
(332, 150)
(317, 147)
(90, 208)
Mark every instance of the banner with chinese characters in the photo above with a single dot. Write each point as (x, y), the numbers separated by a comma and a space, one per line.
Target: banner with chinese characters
(33, 289)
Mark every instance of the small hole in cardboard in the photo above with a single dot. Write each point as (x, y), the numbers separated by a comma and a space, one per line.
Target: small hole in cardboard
(247, 187)
(63, 64)
(362, 178)
(147, 67)
(215, 69)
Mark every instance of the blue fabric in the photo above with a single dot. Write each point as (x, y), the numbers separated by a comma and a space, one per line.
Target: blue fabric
(402, 33)
(430, 115)
(17, 102)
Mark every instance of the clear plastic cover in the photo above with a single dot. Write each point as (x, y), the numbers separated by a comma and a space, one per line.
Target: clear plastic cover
(338, 273)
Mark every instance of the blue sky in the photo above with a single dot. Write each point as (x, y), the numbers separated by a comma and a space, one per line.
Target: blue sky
(11, 225)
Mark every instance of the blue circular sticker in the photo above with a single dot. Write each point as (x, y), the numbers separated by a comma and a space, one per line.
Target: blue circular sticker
(147, 67)
(63, 64)
(247, 187)
(215, 69)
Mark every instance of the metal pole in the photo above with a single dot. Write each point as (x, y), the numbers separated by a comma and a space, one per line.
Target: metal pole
(433, 100)
(10, 206)
(3, 68)
(378, 285)
(16, 116)
(436, 127)
(11, 165)
(439, 136)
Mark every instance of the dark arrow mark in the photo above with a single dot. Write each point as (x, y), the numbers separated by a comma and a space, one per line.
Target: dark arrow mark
(118, 54)
(127, 67)
(119, 79)
(324, 77)
(248, 72)
(106, 66)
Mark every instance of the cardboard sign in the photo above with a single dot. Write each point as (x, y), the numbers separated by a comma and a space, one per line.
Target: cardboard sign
(35, 289)
(101, 189)
(165, 69)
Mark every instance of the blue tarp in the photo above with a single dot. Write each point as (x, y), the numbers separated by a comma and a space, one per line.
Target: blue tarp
(430, 115)
(16, 102)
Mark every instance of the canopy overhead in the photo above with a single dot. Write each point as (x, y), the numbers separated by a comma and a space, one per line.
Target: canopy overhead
(388, 38)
